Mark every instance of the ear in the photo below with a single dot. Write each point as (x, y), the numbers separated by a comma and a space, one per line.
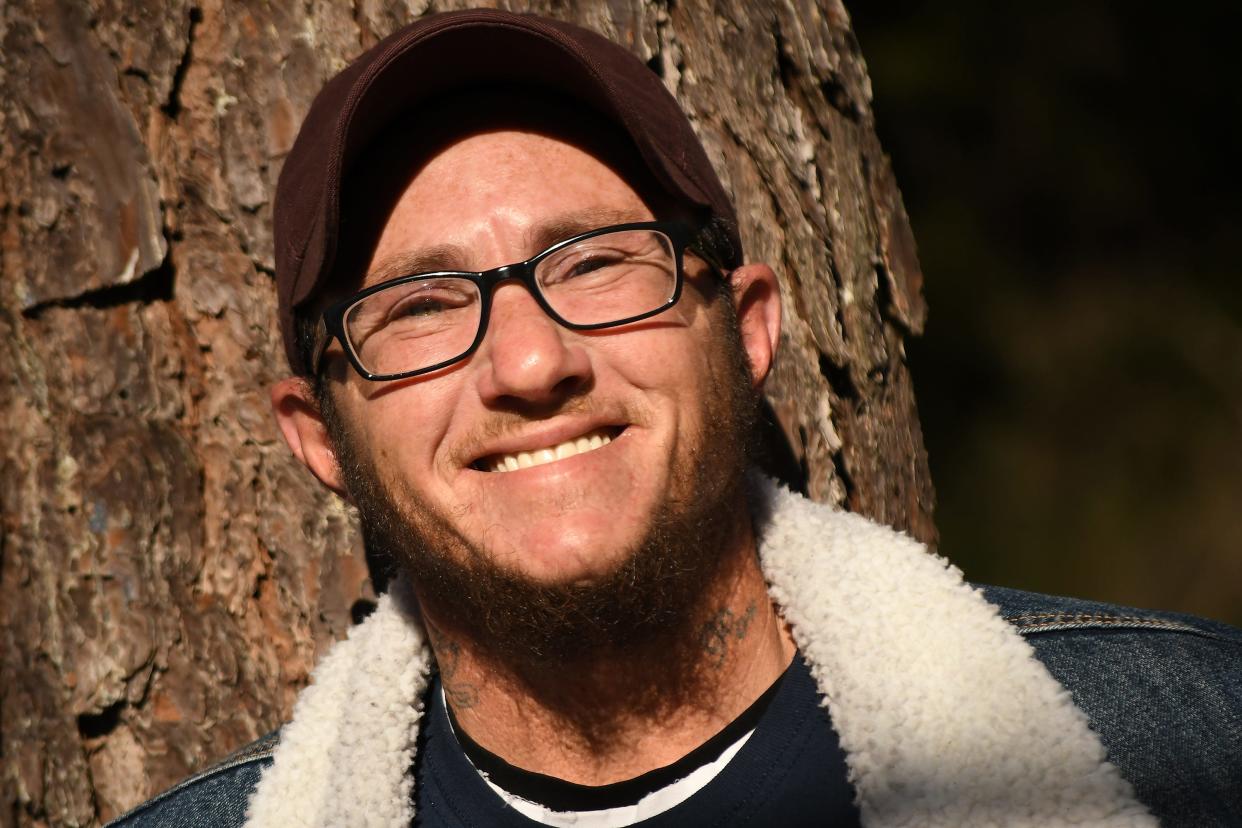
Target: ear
(757, 298)
(297, 414)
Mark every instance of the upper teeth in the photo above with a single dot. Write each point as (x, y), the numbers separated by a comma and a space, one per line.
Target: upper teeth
(526, 459)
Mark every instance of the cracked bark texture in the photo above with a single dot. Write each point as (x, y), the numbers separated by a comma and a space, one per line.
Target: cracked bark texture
(168, 575)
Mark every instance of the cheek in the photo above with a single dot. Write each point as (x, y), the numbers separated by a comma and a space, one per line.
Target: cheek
(673, 373)
(674, 352)
(408, 430)
(679, 360)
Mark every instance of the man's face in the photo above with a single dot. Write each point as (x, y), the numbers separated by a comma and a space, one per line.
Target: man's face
(604, 546)
(638, 392)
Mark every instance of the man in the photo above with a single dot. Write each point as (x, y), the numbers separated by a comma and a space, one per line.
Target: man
(528, 350)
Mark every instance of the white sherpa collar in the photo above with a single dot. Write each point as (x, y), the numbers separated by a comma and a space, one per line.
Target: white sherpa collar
(946, 716)
(944, 712)
(345, 758)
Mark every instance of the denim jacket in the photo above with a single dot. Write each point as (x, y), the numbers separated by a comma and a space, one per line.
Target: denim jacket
(1162, 691)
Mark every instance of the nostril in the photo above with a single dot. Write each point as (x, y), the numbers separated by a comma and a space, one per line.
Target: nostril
(571, 386)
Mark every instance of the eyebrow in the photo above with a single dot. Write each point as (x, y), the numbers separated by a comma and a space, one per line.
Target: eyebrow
(576, 223)
(539, 238)
(423, 260)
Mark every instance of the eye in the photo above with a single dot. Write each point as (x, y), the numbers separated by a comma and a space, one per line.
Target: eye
(411, 306)
(596, 260)
(430, 303)
(419, 305)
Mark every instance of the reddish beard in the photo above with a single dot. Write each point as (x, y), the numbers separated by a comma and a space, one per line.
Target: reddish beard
(651, 596)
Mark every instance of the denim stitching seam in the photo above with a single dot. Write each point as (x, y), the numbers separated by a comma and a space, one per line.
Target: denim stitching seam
(1057, 621)
(1072, 623)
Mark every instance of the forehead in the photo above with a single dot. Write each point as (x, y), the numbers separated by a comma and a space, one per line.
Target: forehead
(470, 158)
(493, 184)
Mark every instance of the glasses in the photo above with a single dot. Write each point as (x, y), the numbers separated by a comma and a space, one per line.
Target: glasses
(427, 321)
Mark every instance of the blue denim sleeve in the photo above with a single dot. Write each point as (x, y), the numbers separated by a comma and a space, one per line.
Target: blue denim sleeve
(1163, 691)
(215, 798)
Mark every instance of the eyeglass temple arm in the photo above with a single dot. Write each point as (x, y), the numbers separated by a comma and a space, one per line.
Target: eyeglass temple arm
(700, 243)
(323, 338)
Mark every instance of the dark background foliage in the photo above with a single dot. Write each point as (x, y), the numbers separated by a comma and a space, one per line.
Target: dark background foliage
(1069, 170)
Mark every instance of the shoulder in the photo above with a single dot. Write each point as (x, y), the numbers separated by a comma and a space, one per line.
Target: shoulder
(1033, 612)
(1147, 650)
(213, 798)
(1162, 689)
(1126, 657)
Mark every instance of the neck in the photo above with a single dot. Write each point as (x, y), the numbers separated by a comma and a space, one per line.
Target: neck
(615, 715)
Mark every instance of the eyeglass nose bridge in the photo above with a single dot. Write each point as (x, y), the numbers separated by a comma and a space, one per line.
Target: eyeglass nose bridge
(523, 272)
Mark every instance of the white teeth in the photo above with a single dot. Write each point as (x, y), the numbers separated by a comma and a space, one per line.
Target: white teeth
(526, 459)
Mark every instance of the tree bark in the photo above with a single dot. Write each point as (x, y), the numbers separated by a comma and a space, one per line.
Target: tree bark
(168, 574)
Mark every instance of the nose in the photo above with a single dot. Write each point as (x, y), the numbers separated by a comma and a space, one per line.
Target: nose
(527, 358)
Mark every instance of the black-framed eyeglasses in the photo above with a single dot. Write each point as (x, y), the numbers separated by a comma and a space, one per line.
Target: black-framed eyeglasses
(427, 321)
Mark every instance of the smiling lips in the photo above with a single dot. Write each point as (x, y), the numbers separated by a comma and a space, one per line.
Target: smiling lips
(526, 459)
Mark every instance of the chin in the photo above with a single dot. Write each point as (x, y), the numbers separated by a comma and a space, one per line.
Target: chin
(565, 556)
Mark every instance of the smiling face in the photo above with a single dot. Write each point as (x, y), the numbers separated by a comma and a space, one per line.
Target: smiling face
(631, 397)
(548, 457)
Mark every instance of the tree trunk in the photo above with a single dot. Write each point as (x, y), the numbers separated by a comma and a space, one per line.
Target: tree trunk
(168, 574)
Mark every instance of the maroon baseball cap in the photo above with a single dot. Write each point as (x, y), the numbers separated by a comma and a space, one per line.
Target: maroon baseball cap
(443, 52)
